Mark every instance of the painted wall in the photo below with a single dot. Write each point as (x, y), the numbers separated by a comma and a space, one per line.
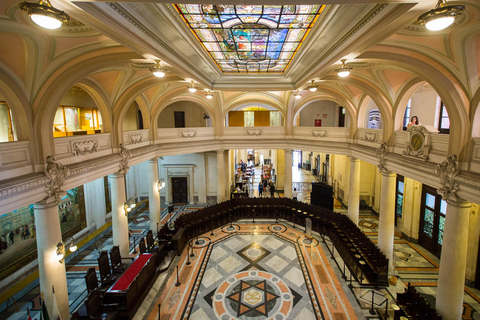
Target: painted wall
(130, 120)
(316, 110)
(78, 98)
(425, 105)
(194, 114)
(137, 181)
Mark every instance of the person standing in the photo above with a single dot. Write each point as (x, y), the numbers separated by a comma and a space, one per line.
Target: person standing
(272, 190)
(294, 194)
(260, 189)
(11, 235)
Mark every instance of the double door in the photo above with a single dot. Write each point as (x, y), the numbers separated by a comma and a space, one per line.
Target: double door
(432, 220)
(180, 190)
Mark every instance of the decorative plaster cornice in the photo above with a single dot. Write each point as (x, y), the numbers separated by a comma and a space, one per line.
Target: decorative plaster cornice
(126, 155)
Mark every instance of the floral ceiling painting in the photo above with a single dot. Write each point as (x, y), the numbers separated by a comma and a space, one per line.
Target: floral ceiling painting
(250, 38)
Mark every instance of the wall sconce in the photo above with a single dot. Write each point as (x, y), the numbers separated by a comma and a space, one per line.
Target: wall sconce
(129, 205)
(60, 251)
(161, 184)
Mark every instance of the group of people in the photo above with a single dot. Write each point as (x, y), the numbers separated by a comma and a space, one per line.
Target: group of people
(10, 236)
(266, 186)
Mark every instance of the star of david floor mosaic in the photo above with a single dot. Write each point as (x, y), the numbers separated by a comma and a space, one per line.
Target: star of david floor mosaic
(262, 271)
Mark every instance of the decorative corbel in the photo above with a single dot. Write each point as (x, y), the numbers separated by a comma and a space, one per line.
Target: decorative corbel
(126, 155)
(56, 174)
(380, 153)
(447, 172)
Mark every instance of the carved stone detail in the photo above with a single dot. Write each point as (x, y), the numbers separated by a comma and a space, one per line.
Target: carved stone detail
(56, 174)
(380, 153)
(187, 133)
(84, 147)
(371, 136)
(136, 138)
(424, 150)
(447, 172)
(126, 155)
(253, 132)
(319, 133)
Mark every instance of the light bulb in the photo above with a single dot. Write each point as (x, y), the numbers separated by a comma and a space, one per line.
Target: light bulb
(439, 23)
(46, 21)
(73, 248)
(343, 73)
(312, 89)
(192, 89)
(159, 73)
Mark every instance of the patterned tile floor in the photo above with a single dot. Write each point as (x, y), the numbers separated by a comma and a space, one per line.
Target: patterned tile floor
(261, 271)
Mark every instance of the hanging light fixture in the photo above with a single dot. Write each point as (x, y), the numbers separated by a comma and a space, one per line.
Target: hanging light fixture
(312, 87)
(344, 71)
(209, 94)
(441, 17)
(44, 15)
(157, 70)
(192, 87)
(297, 94)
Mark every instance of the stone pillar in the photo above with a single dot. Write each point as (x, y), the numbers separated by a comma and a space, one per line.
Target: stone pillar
(386, 224)
(51, 271)
(227, 174)
(119, 218)
(220, 176)
(153, 195)
(451, 276)
(354, 192)
(287, 189)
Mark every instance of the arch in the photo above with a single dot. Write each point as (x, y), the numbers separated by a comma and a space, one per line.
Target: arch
(450, 91)
(475, 115)
(100, 98)
(405, 94)
(322, 97)
(60, 81)
(265, 98)
(172, 97)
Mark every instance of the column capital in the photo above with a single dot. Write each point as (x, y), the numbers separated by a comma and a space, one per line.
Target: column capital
(46, 203)
(458, 202)
(389, 174)
(220, 151)
(288, 150)
(153, 159)
(353, 159)
(118, 175)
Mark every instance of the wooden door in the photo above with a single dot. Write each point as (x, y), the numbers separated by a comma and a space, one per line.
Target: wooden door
(179, 119)
(179, 190)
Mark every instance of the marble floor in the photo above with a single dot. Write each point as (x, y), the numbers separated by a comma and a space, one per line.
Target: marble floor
(254, 271)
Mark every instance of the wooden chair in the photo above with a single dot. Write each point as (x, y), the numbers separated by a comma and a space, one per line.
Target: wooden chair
(106, 276)
(141, 246)
(151, 247)
(96, 310)
(116, 260)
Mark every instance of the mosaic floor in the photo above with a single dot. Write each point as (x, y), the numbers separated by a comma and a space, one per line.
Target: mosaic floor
(263, 271)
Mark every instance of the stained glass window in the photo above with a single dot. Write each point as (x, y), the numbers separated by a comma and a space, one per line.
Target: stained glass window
(250, 38)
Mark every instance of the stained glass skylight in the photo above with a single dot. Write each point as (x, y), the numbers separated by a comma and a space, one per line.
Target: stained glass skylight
(250, 38)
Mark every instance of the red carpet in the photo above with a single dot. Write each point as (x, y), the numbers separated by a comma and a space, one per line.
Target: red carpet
(131, 272)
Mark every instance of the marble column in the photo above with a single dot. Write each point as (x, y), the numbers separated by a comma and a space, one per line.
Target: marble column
(51, 271)
(119, 218)
(354, 190)
(451, 276)
(153, 195)
(386, 223)
(220, 176)
(287, 189)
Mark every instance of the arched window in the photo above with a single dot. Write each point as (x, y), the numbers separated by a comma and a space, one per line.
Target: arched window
(7, 128)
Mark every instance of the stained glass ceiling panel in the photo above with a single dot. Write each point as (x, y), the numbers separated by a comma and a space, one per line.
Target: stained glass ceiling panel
(250, 38)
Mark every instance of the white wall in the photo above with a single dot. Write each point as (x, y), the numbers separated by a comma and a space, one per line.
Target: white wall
(424, 106)
(137, 181)
(185, 161)
(316, 110)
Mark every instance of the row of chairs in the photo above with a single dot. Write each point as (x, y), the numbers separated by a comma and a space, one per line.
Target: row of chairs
(349, 240)
(415, 306)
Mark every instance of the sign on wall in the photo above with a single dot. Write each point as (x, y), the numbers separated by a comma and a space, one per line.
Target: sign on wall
(318, 122)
